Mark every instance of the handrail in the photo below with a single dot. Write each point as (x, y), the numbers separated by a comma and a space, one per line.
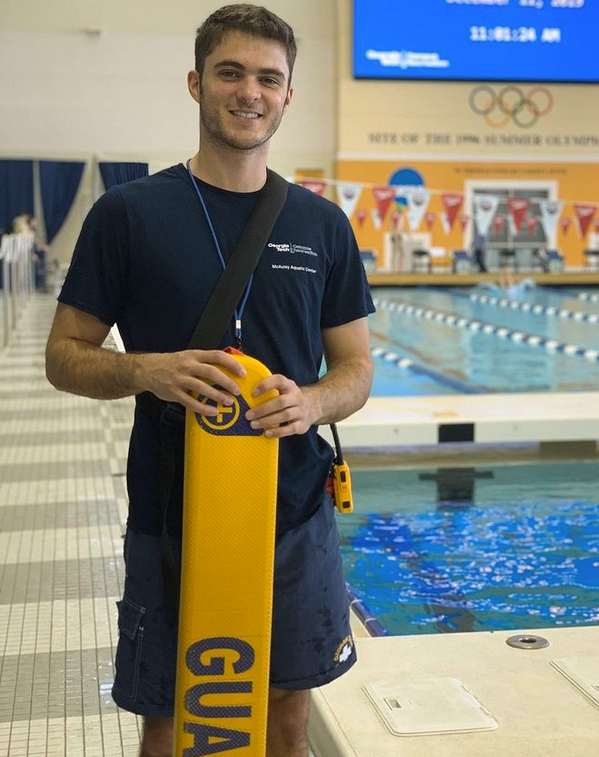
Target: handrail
(16, 281)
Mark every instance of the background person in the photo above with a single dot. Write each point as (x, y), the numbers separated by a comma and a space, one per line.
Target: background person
(479, 248)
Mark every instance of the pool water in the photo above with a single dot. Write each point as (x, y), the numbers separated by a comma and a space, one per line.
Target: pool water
(451, 357)
(463, 549)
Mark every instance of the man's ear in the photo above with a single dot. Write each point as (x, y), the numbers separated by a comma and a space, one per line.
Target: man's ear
(288, 99)
(193, 85)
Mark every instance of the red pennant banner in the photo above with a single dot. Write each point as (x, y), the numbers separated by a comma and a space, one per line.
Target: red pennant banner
(395, 219)
(498, 223)
(383, 197)
(314, 185)
(585, 215)
(361, 216)
(452, 201)
(531, 225)
(464, 220)
(565, 224)
(596, 225)
(518, 207)
(429, 220)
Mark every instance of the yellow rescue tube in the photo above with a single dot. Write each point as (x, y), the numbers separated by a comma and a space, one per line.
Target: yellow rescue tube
(227, 564)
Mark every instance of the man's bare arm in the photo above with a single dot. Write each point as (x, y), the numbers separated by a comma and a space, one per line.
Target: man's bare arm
(340, 392)
(76, 362)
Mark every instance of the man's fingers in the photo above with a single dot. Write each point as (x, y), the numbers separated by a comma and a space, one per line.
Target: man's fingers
(219, 391)
(289, 429)
(218, 357)
(200, 406)
(207, 375)
(282, 384)
(275, 405)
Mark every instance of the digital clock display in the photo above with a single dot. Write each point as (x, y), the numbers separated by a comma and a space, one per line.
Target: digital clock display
(477, 40)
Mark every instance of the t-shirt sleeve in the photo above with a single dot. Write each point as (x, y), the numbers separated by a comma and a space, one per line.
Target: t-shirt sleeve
(347, 295)
(96, 279)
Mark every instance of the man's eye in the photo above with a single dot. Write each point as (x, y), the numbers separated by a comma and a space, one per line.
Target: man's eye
(229, 74)
(270, 82)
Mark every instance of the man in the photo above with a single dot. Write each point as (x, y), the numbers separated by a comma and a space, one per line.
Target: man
(147, 260)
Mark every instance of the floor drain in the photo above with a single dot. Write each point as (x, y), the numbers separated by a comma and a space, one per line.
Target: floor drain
(527, 641)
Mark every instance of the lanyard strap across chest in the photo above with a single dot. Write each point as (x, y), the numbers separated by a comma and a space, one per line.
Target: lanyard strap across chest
(238, 312)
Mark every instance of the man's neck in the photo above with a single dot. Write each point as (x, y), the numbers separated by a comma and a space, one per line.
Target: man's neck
(231, 171)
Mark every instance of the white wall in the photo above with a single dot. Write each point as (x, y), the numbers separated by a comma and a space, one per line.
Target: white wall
(122, 93)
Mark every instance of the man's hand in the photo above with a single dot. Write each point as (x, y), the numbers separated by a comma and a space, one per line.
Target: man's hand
(175, 376)
(297, 408)
(341, 391)
(76, 362)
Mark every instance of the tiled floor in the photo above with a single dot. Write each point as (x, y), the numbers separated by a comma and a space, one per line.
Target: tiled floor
(62, 515)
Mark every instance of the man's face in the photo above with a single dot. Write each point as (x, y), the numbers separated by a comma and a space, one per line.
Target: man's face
(243, 93)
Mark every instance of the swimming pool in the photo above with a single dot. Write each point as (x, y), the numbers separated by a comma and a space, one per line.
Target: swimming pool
(475, 549)
(429, 341)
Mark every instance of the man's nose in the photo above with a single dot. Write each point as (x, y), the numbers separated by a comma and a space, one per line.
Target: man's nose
(248, 90)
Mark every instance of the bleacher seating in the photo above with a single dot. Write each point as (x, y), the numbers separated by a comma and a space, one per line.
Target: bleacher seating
(461, 262)
(369, 259)
(592, 258)
(421, 259)
(552, 261)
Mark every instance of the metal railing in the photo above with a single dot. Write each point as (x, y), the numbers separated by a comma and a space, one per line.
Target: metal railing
(16, 281)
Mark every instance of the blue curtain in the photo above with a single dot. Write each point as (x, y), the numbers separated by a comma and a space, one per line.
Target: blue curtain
(120, 173)
(16, 190)
(59, 182)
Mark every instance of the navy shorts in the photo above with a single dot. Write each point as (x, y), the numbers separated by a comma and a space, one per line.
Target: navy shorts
(311, 637)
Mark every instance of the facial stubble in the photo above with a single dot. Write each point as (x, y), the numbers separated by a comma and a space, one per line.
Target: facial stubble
(212, 123)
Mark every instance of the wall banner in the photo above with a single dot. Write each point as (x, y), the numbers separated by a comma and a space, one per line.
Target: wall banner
(550, 213)
(429, 220)
(383, 197)
(377, 218)
(518, 207)
(349, 196)
(565, 224)
(584, 216)
(318, 187)
(418, 199)
(485, 207)
(452, 202)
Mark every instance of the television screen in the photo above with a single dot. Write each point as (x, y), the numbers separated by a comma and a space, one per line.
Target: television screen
(477, 40)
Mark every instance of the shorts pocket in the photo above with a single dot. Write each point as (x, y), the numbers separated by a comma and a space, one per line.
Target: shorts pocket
(130, 647)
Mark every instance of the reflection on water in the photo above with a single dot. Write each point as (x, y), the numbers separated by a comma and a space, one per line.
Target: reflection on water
(494, 557)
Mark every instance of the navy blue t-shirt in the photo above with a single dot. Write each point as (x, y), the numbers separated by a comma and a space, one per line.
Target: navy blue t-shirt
(146, 261)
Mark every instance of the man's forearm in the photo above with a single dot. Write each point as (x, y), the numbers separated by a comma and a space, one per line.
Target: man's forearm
(81, 368)
(341, 391)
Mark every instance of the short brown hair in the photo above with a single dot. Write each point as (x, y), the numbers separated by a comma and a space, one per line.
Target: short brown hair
(248, 19)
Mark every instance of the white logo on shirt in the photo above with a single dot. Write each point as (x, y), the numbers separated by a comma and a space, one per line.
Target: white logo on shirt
(293, 248)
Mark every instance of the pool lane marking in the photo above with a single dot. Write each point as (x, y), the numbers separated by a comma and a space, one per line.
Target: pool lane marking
(505, 302)
(419, 369)
(533, 340)
(588, 297)
(370, 622)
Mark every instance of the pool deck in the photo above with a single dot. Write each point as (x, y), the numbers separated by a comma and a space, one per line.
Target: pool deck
(538, 711)
(387, 422)
(586, 277)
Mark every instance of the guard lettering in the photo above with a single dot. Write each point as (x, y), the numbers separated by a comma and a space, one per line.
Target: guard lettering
(228, 739)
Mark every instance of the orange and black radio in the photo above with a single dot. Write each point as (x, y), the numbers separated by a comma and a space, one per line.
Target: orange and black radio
(339, 484)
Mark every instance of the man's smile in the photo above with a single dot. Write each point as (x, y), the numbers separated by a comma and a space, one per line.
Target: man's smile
(246, 114)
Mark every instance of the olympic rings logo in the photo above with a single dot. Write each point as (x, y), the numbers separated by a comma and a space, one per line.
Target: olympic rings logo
(524, 109)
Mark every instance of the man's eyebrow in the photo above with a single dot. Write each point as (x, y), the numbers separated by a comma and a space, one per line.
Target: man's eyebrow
(240, 67)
